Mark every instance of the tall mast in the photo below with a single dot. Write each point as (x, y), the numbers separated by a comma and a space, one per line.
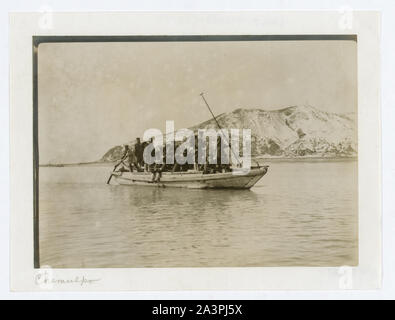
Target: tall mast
(219, 126)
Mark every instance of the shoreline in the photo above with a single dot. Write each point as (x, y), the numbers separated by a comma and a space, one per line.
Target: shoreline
(301, 159)
(78, 164)
(259, 159)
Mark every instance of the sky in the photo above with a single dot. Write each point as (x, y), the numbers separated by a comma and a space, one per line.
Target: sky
(93, 96)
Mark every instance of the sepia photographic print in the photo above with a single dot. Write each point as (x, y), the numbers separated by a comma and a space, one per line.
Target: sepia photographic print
(185, 151)
(101, 202)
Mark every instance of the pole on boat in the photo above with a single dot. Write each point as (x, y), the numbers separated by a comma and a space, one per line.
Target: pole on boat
(209, 109)
(219, 126)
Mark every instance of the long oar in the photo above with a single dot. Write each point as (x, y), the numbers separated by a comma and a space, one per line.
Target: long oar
(115, 167)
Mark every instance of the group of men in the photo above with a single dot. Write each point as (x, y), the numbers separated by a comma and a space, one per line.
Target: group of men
(134, 156)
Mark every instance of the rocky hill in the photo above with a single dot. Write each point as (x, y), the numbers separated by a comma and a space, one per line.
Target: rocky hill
(296, 131)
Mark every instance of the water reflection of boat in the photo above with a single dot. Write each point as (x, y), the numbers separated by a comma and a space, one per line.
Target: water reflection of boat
(193, 179)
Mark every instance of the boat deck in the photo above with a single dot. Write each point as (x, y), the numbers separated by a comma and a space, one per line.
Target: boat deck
(194, 179)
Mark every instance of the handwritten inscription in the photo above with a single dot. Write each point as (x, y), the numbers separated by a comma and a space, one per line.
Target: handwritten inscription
(45, 279)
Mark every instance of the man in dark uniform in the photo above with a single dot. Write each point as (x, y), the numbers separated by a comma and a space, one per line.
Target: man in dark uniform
(139, 151)
(132, 159)
(129, 154)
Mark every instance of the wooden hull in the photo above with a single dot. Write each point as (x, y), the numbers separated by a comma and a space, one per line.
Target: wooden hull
(193, 180)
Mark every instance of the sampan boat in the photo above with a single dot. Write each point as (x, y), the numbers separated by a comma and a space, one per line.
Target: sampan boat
(193, 179)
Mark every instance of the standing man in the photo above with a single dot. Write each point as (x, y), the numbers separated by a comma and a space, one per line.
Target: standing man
(132, 159)
(139, 152)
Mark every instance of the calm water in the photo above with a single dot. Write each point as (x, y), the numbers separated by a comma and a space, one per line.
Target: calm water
(299, 214)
